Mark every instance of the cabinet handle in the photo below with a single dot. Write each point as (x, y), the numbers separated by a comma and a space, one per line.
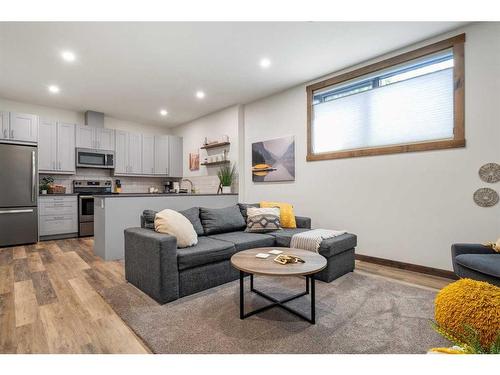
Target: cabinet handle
(5, 133)
(12, 133)
(59, 166)
(53, 165)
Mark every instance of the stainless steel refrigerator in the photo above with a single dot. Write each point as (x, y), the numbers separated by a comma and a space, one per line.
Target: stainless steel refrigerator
(18, 194)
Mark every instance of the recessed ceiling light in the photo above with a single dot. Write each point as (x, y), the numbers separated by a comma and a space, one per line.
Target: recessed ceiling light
(200, 94)
(68, 56)
(54, 89)
(163, 112)
(265, 63)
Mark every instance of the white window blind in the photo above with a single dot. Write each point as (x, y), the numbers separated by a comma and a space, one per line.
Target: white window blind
(412, 110)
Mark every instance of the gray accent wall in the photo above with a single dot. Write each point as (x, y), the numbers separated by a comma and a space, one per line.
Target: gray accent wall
(112, 215)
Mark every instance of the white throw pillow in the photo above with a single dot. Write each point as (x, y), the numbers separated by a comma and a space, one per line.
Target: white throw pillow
(177, 225)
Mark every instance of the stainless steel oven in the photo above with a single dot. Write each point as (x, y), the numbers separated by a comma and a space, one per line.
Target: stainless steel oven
(89, 158)
(86, 190)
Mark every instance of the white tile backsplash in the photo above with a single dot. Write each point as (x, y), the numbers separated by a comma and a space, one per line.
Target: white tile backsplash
(129, 184)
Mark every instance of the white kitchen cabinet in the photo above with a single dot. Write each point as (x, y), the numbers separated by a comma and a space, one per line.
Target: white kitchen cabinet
(56, 147)
(161, 155)
(105, 139)
(85, 137)
(58, 215)
(121, 152)
(4, 125)
(148, 154)
(66, 147)
(47, 146)
(18, 127)
(95, 138)
(135, 153)
(128, 153)
(175, 156)
(23, 127)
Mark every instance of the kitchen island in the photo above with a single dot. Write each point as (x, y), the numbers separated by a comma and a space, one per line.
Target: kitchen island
(114, 213)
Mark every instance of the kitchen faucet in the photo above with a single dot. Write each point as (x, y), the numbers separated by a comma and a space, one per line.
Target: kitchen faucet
(191, 190)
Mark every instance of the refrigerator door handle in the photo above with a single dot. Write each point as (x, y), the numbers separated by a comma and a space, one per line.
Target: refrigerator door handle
(33, 176)
(16, 211)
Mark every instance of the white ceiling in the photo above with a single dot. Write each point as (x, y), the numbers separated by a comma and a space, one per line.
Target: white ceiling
(132, 70)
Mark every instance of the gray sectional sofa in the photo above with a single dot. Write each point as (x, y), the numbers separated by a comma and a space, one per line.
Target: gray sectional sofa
(155, 265)
(476, 262)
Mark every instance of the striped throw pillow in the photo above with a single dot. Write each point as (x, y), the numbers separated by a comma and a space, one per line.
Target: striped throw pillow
(263, 220)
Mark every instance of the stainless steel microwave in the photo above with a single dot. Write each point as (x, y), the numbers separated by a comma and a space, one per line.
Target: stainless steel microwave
(89, 158)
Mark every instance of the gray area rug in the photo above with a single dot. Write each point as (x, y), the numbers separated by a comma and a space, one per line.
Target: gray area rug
(357, 313)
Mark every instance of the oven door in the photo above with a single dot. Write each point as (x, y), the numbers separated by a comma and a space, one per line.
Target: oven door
(86, 208)
(92, 159)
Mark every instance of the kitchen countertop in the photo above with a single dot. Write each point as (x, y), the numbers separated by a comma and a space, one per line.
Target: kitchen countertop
(57, 195)
(128, 195)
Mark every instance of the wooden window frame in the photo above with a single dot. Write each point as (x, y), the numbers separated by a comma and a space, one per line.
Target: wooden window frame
(455, 43)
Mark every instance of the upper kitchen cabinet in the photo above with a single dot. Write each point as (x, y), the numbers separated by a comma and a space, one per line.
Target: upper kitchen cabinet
(95, 138)
(19, 127)
(161, 155)
(174, 156)
(128, 153)
(56, 147)
(148, 154)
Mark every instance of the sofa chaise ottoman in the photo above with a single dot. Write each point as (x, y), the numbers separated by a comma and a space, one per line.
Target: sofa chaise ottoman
(155, 265)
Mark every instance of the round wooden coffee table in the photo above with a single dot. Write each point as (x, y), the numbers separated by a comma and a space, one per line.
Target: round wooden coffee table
(247, 263)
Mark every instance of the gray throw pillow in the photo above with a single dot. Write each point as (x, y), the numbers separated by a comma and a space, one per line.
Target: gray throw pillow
(263, 220)
(148, 219)
(221, 220)
(193, 215)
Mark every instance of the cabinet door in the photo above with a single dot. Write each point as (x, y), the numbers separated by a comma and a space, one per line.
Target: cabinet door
(47, 146)
(161, 155)
(4, 125)
(121, 152)
(66, 147)
(85, 137)
(135, 153)
(23, 127)
(105, 139)
(148, 154)
(175, 156)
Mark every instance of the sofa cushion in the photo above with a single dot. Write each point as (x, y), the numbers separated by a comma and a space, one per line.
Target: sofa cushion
(208, 250)
(337, 245)
(244, 240)
(262, 220)
(221, 220)
(284, 236)
(488, 264)
(193, 215)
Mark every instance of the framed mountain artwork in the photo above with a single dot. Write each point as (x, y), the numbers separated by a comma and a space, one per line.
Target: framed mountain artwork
(274, 160)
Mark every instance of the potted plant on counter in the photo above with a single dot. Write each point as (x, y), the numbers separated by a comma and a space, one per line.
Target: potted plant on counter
(45, 184)
(226, 176)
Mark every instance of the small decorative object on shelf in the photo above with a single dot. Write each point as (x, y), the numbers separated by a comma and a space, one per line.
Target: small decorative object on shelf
(490, 172)
(226, 176)
(287, 259)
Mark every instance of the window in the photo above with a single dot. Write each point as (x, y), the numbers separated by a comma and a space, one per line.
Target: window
(411, 102)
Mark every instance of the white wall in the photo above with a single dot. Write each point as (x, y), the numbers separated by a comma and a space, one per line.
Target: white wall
(213, 126)
(64, 115)
(408, 207)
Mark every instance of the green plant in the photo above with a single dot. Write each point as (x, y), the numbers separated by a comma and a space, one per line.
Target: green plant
(226, 174)
(46, 182)
(469, 341)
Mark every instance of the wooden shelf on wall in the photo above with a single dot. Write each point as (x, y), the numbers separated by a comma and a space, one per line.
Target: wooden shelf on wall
(215, 163)
(215, 145)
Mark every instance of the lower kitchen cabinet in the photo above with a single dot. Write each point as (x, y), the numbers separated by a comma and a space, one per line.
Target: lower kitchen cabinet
(58, 216)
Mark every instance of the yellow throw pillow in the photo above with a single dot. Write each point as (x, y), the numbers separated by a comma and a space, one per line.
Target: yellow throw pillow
(287, 216)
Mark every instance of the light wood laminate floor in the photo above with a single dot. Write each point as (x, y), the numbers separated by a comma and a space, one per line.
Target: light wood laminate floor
(49, 301)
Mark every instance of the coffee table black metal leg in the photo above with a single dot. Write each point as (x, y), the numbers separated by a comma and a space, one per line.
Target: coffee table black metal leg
(242, 300)
(313, 300)
(251, 282)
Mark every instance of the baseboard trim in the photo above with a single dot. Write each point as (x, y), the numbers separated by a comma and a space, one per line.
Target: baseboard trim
(408, 266)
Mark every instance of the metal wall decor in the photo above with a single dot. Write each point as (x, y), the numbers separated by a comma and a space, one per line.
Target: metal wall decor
(490, 172)
(485, 197)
